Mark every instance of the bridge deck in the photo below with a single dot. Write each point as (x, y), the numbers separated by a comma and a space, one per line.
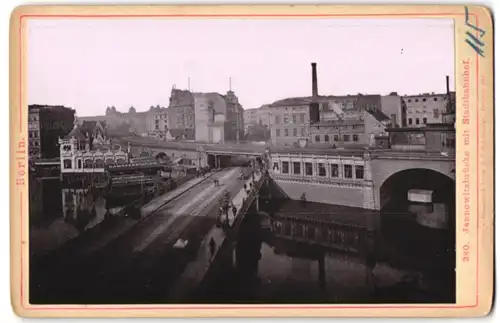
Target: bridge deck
(255, 149)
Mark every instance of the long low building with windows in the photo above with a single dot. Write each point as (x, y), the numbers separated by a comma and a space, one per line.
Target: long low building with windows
(336, 175)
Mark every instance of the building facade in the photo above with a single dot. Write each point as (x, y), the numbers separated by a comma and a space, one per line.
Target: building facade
(85, 153)
(45, 125)
(425, 109)
(323, 177)
(289, 121)
(199, 116)
(181, 110)
(157, 120)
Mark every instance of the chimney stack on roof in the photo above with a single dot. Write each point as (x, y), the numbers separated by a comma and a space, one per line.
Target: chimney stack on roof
(314, 105)
(314, 81)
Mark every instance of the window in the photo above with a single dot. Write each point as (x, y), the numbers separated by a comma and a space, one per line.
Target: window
(321, 169)
(355, 138)
(346, 137)
(417, 121)
(285, 167)
(424, 120)
(277, 119)
(416, 100)
(360, 172)
(348, 171)
(286, 132)
(317, 138)
(302, 132)
(99, 163)
(295, 132)
(327, 138)
(79, 163)
(88, 163)
(435, 99)
(334, 170)
(296, 168)
(424, 99)
(309, 169)
(302, 117)
(336, 137)
(285, 119)
(410, 121)
(275, 166)
(409, 100)
(67, 163)
(294, 118)
(277, 132)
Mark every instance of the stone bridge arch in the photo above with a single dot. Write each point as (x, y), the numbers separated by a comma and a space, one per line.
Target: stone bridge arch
(395, 176)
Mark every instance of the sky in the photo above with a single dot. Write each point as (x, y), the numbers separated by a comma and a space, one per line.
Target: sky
(89, 64)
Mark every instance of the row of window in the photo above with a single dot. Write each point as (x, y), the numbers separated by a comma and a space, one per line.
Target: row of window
(335, 171)
(34, 143)
(286, 132)
(33, 134)
(417, 121)
(355, 138)
(424, 99)
(301, 117)
(89, 163)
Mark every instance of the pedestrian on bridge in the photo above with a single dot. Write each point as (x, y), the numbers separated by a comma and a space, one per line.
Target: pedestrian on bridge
(235, 210)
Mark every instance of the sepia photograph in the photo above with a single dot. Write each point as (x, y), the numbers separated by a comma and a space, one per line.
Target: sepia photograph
(242, 160)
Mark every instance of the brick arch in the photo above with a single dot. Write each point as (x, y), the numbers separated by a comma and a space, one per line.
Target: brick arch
(383, 169)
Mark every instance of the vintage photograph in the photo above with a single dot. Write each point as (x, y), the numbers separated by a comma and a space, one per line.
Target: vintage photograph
(241, 161)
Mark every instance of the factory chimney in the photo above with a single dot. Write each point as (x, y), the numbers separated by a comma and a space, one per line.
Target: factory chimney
(314, 105)
(447, 85)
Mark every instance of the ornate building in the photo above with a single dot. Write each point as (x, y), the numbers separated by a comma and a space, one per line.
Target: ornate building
(86, 150)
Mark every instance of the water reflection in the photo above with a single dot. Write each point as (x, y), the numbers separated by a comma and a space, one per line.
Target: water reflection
(59, 214)
(303, 259)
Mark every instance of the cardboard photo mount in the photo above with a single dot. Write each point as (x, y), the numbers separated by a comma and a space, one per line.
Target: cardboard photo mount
(474, 159)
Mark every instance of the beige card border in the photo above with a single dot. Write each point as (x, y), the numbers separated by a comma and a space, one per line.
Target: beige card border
(474, 160)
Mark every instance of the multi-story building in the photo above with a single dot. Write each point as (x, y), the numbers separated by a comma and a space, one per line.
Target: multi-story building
(289, 121)
(425, 108)
(157, 120)
(394, 107)
(428, 108)
(259, 116)
(250, 118)
(290, 117)
(257, 123)
(195, 116)
(181, 112)
(46, 124)
(364, 122)
(34, 132)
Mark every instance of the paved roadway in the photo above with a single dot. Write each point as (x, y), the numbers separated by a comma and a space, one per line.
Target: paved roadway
(140, 265)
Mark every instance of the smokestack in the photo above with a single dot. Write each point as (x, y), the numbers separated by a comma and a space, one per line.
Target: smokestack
(314, 81)
(447, 84)
(314, 105)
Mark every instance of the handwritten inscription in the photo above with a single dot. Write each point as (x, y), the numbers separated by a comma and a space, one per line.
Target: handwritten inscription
(474, 41)
(21, 167)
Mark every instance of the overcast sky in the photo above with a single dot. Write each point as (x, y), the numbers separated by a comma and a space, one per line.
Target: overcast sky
(89, 64)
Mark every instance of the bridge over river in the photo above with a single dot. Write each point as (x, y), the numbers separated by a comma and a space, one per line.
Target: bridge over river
(180, 250)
